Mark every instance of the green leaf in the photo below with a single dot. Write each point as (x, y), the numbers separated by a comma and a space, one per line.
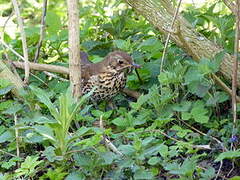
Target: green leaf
(122, 122)
(53, 22)
(44, 98)
(180, 131)
(49, 153)
(182, 107)
(6, 90)
(163, 150)
(75, 176)
(108, 157)
(199, 112)
(122, 44)
(45, 131)
(143, 174)
(151, 44)
(154, 160)
(186, 115)
(209, 173)
(82, 159)
(6, 104)
(228, 155)
(235, 178)
(6, 136)
(126, 149)
(13, 109)
(28, 166)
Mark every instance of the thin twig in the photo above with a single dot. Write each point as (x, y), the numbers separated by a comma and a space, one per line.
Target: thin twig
(42, 30)
(108, 143)
(233, 167)
(17, 135)
(11, 49)
(219, 170)
(24, 41)
(204, 134)
(55, 76)
(206, 147)
(234, 72)
(168, 36)
(10, 154)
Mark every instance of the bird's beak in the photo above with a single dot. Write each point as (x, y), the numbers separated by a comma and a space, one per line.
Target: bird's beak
(136, 65)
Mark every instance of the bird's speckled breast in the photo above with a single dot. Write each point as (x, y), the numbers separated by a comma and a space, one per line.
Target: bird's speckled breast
(107, 85)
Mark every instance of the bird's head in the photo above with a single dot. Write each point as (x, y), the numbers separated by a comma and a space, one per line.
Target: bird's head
(120, 61)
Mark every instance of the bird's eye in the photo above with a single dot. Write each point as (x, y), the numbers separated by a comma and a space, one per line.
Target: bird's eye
(120, 61)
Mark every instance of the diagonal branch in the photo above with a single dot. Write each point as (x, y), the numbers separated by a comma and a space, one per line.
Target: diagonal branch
(168, 35)
(24, 41)
(42, 30)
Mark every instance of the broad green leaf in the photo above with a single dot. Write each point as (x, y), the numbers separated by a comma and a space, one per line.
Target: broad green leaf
(6, 136)
(228, 155)
(209, 173)
(126, 149)
(53, 22)
(45, 131)
(108, 157)
(76, 176)
(43, 97)
(13, 109)
(6, 104)
(122, 44)
(6, 90)
(235, 178)
(163, 150)
(143, 174)
(154, 160)
(186, 115)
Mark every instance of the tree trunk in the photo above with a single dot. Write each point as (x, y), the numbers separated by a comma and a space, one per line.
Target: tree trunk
(160, 14)
(73, 40)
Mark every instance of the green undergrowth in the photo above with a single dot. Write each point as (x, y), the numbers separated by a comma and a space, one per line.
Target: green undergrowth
(179, 128)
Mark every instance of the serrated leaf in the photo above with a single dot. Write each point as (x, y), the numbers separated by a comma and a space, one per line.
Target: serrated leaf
(143, 174)
(13, 109)
(122, 44)
(75, 176)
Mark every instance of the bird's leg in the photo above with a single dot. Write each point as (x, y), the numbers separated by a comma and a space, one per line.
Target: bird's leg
(111, 105)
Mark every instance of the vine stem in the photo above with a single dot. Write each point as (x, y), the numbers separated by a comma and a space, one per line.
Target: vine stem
(42, 30)
(168, 36)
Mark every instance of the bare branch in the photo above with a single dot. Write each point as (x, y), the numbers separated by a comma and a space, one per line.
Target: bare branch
(42, 67)
(24, 41)
(234, 71)
(42, 30)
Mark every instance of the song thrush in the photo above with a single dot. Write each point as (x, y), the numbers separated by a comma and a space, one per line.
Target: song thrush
(108, 76)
